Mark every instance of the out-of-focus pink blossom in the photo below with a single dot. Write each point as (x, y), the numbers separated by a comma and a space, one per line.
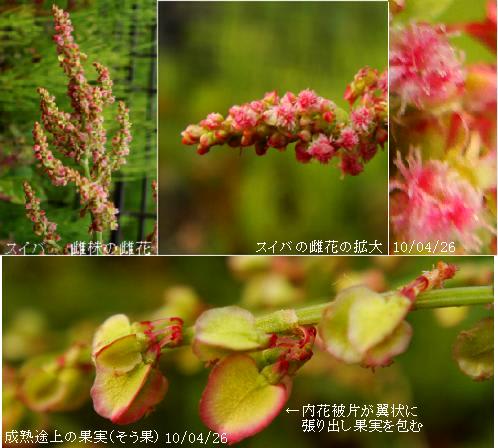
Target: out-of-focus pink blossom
(480, 88)
(431, 201)
(424, 68)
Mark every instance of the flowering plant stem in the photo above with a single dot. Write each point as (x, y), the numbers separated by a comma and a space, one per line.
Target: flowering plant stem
(311, 315)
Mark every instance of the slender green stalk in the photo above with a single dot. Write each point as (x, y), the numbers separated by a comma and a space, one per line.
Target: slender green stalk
(437, 298)
(278, 321)
(465, 296)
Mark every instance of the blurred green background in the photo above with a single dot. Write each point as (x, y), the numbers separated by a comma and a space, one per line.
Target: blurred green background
(104, 30)
(213, 55)
(47, 303)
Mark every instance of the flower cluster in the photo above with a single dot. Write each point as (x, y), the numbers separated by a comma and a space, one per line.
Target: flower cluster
(80, 136)
(320, 130)
(443, 132)
(41, 225)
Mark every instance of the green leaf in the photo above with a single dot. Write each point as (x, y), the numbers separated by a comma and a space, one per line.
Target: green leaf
(238, 400)
(373, 317)
(229, 328)
(473, 350)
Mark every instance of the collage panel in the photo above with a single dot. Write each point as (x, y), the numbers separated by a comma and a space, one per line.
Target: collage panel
(273, 127)
(443, 127)
(257, 351)
(78, 152)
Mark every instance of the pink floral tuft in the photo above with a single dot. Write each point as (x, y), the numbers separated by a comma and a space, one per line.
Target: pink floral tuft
(244, 117)
(321, 149)
(308, 99)
(348, 139)
(361, 119)
(424, 68)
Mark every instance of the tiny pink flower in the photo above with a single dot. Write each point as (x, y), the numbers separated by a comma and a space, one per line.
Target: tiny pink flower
(350, 165)
(308, 100)
(302, 153)
(212, 121)
(361, 119)
(243, 117)
(258, 106)
(348, 139)
(288, 98)
(271, 98)
(285, 116)
(321, 149)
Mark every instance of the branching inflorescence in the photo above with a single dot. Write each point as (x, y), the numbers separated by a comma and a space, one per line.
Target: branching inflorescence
(443, 135)
(319, 129)
(254, 359)
(80, 135)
